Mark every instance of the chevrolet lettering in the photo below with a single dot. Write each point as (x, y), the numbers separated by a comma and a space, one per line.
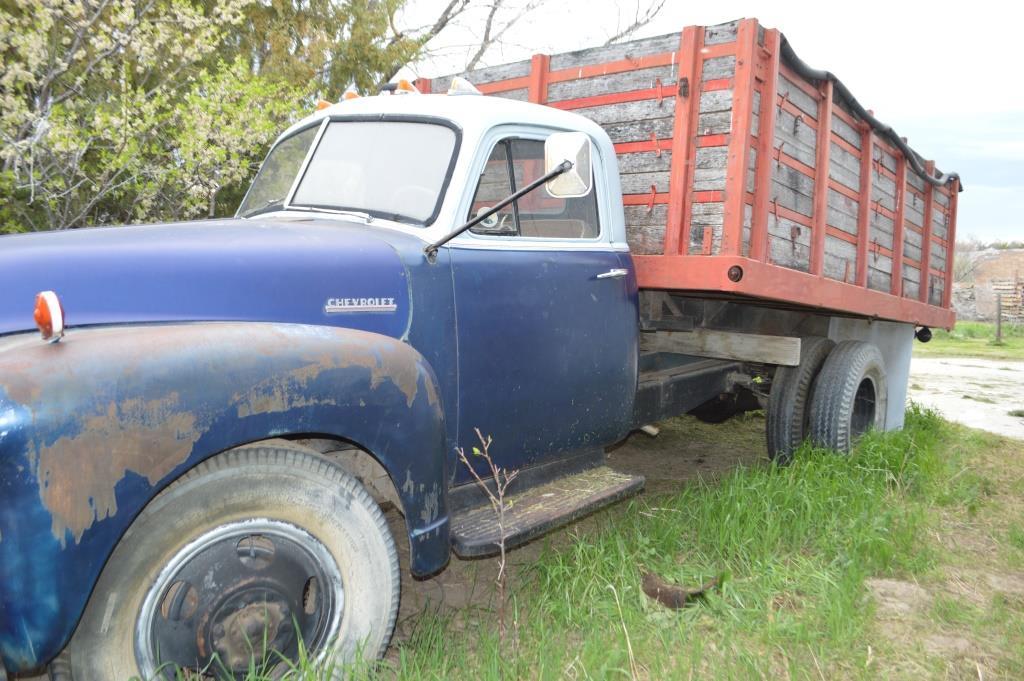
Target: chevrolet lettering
(339, 305)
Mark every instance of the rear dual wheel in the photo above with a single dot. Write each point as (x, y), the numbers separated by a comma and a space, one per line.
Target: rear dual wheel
(250, 555)
(836, 394)
(850, 396)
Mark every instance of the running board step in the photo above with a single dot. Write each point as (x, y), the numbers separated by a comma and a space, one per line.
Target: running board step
(532, 512)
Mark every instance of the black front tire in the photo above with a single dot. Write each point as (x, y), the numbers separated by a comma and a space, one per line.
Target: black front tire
(281, 485)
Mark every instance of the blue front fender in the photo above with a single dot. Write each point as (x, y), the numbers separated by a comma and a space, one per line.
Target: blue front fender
(93, 427)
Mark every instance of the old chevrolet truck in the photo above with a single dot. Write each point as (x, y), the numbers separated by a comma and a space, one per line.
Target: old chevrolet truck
(195, 455)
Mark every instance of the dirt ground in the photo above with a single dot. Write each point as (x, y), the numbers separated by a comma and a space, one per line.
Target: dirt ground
(684, 450)
(979, 393)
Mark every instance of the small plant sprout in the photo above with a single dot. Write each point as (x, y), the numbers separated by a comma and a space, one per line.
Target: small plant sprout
(497, 496)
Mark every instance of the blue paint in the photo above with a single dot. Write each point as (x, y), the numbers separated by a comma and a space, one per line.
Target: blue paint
(547, 352)
(43, 587)
(199, 271)
(525, 344)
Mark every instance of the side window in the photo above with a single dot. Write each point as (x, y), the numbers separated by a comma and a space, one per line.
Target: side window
(495, 184)
(513, 164)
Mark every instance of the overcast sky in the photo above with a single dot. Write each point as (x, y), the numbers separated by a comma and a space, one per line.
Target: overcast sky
(949, 76)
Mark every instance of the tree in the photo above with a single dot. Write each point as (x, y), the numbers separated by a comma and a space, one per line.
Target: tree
(87, 90)
(133, 110)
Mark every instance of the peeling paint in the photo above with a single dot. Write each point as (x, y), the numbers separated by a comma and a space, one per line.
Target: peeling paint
(107, 425)
(150, 438)
(431, 503)
(288, 390)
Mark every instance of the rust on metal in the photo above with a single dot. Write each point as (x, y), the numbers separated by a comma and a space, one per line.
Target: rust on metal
(111, 404)
(150, 438)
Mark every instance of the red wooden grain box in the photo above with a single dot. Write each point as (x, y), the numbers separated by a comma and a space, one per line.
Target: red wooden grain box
(831, 211)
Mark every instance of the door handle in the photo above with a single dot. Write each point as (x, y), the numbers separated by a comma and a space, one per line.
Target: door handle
(613, 274)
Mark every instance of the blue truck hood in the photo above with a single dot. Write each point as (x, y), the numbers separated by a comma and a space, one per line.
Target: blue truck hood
(303, 271)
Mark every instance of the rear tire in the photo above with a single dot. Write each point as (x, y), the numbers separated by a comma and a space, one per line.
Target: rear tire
(228, 549)
(849, 397)
(787, 422)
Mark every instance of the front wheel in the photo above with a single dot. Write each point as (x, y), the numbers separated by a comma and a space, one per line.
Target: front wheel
(252, 554)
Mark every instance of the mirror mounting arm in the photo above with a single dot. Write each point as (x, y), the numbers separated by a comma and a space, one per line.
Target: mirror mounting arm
(431, 249)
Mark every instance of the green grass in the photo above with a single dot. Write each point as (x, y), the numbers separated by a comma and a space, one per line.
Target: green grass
(795, 548)
(974, 339)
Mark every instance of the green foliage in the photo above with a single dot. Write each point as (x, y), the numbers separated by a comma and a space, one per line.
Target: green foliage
(974, 339)
(325, 44)
(142, 110)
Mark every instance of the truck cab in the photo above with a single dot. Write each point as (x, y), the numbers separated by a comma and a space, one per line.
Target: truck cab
(314, 328)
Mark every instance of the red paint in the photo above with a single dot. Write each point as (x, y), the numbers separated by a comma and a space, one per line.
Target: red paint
(684, 150)
(758, 70)
(539, 71)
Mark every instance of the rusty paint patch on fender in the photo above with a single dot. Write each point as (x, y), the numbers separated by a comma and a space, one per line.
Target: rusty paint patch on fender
(288, 390)
(92, 390)
(77, 474)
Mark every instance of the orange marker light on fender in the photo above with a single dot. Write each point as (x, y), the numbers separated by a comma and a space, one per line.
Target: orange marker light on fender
(49, 316)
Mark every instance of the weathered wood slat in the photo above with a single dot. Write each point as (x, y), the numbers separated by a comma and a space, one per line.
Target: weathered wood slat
(795, 138)
(521, 95)
(715, 123)
(719, 67)
(842, 212)
(883, 190)
(629, 112)
(722, 33)
(938, 257)
(716, 100)
(840, 259)
(709, 169)
(645, 229)
(607, 53)
(639, 131)
(881, 229)
(801, 99)
(747, 347)
(706, 220)
(844, 167)
(793, 189)
(644, 162)
(845, 131)
(913, 209)
(789, 244)
(626, 81)
(640, 183)
(751, 169)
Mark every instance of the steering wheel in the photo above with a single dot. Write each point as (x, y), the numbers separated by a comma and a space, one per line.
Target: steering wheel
(495, 222)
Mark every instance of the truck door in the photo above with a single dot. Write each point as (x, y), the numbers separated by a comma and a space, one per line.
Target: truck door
(546, 318)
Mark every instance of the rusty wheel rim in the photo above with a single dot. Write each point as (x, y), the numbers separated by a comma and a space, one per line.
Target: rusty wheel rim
(253, 588)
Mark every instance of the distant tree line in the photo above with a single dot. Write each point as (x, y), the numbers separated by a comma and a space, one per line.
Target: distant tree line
(116, 111)
(974, 244)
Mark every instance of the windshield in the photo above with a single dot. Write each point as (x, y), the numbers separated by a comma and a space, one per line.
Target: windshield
(391, 169)
(270, 188)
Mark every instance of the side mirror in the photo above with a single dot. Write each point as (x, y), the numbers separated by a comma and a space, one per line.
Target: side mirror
(574, 147)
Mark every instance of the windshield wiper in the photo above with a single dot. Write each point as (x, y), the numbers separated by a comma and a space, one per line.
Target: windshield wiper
(362, 215)
(431, 249)
(271, 205)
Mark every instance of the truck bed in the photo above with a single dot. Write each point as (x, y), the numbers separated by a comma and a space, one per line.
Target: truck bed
(706, 193)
